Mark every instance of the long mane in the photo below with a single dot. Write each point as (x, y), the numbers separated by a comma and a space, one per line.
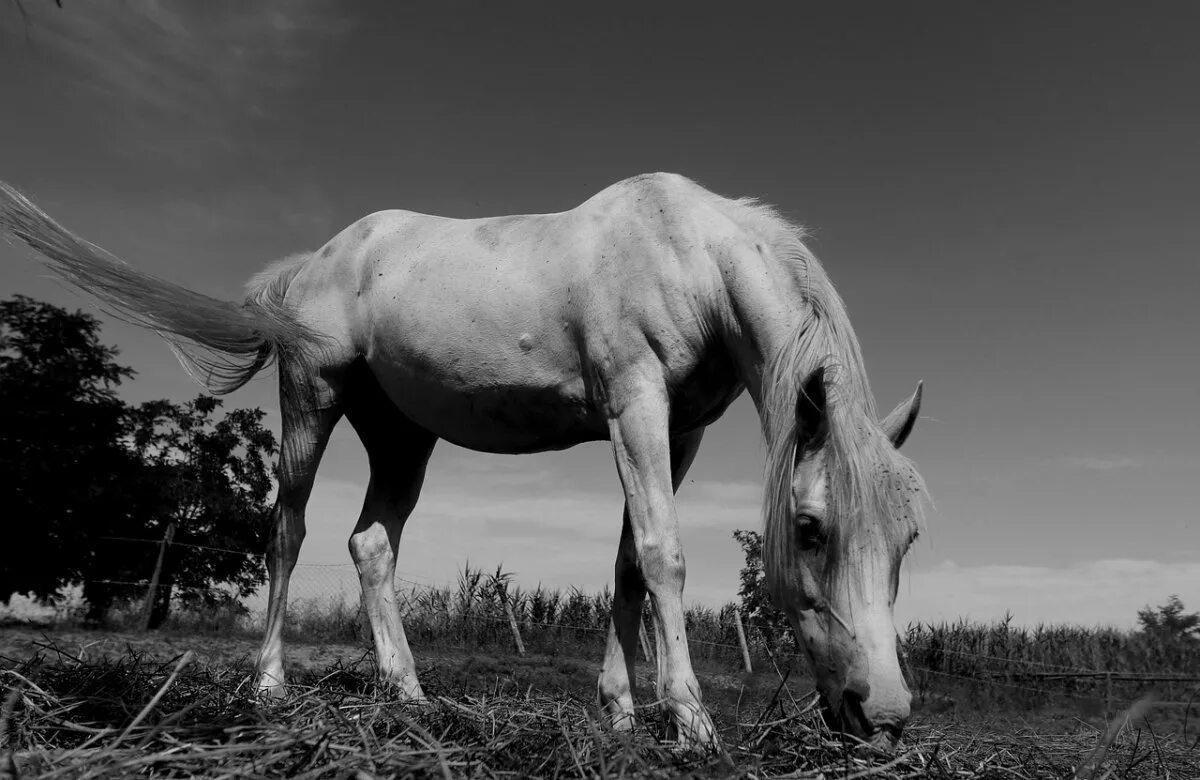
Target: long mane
(871, 487)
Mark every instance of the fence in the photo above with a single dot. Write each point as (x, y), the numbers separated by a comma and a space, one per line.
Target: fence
(490, 611)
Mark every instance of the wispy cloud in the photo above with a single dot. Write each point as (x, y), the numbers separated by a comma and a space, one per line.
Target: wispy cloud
(237, 208)
(187, 62)
(565, 541)
(1095, 463)
(525, 519)
(1107, 591)
(739, 494)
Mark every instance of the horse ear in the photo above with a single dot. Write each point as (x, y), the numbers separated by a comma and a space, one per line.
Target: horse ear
(899, 423)
(812, 421)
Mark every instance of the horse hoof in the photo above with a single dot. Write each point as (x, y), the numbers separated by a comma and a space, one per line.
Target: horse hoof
(622, 722)
(270, 691)
(405, 687)
(694, 732)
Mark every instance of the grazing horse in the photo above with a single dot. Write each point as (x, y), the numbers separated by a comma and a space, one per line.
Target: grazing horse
(636, 317)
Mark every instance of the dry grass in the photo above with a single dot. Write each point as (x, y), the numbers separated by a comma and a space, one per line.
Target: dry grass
(182, 717)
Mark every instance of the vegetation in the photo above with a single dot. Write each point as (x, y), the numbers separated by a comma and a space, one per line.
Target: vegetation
(756, 601)
(1170, 622)
(83, 473)
(1000, 662)
(1048, 648)
(61, 462)
(205, 484)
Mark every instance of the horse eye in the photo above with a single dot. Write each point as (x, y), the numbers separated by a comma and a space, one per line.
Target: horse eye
(811, 533)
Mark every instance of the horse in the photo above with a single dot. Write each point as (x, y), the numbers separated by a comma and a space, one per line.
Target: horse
(636, 317)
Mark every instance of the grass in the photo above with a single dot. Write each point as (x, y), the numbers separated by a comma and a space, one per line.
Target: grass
(1048, 657)
(472, 614)
(1013, 665)
(134, 713)
(984, 705)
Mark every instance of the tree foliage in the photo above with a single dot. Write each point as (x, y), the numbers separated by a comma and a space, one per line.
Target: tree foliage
(1170, 621)
(209, 478)
(94, 484)
(757, 604)
(61, 460)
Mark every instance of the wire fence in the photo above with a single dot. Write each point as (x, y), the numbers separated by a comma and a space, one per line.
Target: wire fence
(489, 611)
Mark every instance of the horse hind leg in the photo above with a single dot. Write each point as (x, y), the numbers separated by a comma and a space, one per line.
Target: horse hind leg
(311, 409)
(398, 452)
(615, 687)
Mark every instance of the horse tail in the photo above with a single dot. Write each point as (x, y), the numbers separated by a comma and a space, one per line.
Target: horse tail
(220, 343)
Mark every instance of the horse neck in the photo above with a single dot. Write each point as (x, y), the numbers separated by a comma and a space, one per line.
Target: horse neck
(766, 327)
(782, 325)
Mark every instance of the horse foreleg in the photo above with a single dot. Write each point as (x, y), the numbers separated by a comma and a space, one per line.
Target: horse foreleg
(617, 679)
(395, 485)
(642, 451)
(305, 434)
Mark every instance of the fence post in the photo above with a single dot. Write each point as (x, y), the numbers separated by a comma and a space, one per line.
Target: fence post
(148, 607)
(741, 632)
(644, 640)
(1108, 693)
(512, 621)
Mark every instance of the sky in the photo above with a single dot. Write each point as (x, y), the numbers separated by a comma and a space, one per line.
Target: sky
(1005, 194)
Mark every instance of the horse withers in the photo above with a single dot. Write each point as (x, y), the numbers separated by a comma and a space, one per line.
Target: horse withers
(636, 317)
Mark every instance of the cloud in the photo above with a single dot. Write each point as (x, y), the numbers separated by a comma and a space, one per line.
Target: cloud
(1092, 463)
(187, 62)
(547, 529)
(739, 494)
(1106, 591)
(241, 211)
(571, 540)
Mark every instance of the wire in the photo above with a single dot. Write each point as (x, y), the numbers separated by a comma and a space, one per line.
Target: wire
(184, 544)
(918, 647)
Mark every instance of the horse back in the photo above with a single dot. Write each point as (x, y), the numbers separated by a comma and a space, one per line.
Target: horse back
(511, 324)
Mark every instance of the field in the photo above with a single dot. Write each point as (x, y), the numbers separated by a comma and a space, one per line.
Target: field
(178, 703)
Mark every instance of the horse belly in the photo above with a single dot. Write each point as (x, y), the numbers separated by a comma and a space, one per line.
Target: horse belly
(502, 417)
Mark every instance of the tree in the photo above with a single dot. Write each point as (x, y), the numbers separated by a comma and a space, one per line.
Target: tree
(82, 473)
(752, 590)
(206, 484)
(1169, 621)
(61, 459)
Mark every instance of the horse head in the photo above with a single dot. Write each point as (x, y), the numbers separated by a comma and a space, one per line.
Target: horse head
(833, 554)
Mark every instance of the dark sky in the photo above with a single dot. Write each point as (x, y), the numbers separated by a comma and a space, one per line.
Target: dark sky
(1005, 193)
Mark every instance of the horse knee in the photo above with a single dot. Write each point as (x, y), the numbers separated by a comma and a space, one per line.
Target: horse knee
(367, 546)
(372, 554)
(662, 564)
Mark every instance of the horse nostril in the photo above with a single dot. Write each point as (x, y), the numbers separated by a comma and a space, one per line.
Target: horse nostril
(891, 730)
(859, 689)
(858, 718)
(854, 719)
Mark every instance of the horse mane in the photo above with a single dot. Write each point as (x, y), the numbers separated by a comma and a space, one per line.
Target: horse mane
(870, 485)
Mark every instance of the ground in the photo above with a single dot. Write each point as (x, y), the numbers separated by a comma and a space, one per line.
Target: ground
(491, 716)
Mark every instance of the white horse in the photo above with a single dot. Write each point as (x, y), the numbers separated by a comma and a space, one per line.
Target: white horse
(636, 317)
